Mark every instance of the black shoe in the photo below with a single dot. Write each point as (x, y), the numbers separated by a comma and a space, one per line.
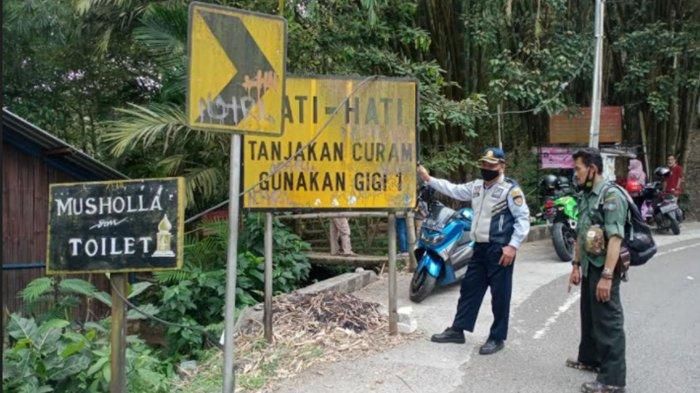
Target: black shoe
(449, 336)
(597, 387)
(491, 346)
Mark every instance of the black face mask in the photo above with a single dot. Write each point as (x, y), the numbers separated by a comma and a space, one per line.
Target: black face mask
(489, 174)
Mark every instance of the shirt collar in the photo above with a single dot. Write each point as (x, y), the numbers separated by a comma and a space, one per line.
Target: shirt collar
(598, 187)
(501, 178)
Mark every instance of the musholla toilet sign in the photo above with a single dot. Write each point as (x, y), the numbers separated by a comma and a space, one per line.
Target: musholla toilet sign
(119, 226)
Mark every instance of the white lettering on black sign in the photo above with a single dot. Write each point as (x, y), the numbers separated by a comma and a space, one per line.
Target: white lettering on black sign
(115, 226)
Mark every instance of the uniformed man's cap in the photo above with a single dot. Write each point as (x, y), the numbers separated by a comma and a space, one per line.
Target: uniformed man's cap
(493, 155)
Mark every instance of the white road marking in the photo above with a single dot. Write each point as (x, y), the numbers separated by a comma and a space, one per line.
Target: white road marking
(677, 249)
(573, 298)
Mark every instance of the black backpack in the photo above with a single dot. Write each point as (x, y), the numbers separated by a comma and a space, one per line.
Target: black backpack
(638, 239)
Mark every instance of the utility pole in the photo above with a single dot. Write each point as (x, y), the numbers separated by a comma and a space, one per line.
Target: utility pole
(597, 74)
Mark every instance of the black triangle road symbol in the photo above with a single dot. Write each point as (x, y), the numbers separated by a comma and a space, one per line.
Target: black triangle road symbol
(245, 89)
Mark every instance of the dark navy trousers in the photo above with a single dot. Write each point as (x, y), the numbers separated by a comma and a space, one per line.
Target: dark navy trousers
(484, 271)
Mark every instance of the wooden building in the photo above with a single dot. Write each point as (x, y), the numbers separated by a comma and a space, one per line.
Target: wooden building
(31, 159)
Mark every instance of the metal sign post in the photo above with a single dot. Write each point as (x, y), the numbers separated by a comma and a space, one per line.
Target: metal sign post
(235, 84)
(231, 264)
(268, 278)
(393, 313)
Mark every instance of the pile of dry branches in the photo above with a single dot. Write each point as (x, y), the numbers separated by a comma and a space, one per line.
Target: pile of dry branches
(313, 328)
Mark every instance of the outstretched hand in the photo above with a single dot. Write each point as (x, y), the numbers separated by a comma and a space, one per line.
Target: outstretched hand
(423, 173)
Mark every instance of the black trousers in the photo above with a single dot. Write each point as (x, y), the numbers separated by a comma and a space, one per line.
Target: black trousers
(484, 271)
(602, 330)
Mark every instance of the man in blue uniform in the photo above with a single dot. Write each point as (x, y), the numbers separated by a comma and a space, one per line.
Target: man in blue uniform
(501, 223)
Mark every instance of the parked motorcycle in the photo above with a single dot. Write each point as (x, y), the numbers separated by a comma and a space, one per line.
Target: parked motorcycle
(561, 211)
(444, 247)
(661, 209)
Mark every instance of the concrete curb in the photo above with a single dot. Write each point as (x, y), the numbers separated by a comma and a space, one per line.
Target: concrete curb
(538, 232)
(345, 283)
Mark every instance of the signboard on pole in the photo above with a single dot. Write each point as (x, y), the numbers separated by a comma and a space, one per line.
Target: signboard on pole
(236, 71)
(116, 226)
(349, 143)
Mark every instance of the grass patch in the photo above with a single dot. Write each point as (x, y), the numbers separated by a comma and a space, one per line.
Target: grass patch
(255, 371)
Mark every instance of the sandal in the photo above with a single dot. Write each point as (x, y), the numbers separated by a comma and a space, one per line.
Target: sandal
(597, 387)
(582, 366)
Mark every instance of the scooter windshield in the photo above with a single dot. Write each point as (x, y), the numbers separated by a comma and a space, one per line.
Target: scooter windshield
(440, 215)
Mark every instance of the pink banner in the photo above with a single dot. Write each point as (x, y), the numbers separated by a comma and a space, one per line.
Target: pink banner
(556, 158)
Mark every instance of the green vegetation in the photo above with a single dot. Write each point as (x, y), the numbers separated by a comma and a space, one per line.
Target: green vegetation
(49, 352)
(109, 77)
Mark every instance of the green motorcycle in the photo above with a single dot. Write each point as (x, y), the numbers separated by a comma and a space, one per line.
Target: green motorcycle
(561, 211)
(563, 215)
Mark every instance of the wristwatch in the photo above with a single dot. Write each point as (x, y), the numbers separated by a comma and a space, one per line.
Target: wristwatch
(607, 273)
(576, 263)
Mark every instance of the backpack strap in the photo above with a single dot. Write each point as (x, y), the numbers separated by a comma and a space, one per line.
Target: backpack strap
(600, 202)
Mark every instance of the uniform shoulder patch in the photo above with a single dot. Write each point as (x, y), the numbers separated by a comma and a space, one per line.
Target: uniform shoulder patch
(613, 200)
(517, 194)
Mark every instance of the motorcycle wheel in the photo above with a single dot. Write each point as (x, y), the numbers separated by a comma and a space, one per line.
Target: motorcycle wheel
(673, 224)
(563, 244)
(422, 284)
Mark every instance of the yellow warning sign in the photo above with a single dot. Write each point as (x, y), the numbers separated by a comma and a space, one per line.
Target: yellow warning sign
(236, 70)
(348, 144)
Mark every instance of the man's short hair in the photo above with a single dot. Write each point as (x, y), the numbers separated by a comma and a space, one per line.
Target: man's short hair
(590, 156)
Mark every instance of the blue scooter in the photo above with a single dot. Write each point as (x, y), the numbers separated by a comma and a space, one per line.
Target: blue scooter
(444, 248)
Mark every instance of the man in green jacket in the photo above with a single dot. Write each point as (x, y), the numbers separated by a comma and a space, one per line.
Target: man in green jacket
(597, 251)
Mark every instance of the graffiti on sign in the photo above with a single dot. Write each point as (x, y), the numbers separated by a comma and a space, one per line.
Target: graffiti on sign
(236, 71)
(364, 158)
(120, 226)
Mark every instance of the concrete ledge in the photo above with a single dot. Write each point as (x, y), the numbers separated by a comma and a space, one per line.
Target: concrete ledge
(539, 232)
(346, 282)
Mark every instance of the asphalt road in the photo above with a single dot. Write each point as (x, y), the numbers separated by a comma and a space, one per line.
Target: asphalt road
(662, 311)
(662, 319)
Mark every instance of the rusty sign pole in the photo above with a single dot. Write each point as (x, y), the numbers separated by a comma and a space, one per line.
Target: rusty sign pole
(393, 316)
(268, 278)
(117, 367)
(267, 316)
(231, 263)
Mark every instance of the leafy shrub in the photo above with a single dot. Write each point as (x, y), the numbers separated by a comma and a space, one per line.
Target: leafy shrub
(54, 356)
(195, 295)
(290, 264)
(63, 295)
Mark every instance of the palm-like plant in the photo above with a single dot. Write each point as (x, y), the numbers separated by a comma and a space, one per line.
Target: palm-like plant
(159, 128)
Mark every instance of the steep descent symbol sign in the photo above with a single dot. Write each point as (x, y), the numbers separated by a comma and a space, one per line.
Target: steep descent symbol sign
(236, 71)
